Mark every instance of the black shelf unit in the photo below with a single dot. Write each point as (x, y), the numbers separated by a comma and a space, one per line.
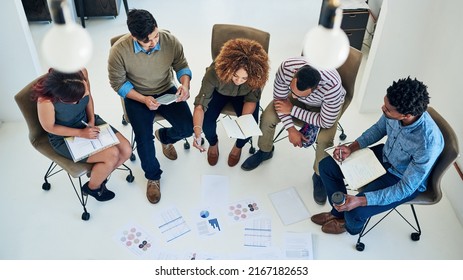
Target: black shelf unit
(36, 10)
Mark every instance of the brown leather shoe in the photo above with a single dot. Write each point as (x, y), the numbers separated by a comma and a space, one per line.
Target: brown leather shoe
(167, 149)
(335, 226)
(322, 218)
(153, 191)
(234, 158)
(213, 154)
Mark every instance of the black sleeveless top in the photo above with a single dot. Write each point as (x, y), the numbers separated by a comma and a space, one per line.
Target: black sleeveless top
(71, 115)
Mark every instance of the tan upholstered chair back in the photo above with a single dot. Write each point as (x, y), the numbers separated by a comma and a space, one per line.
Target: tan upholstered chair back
(348, 72)
(28, 108)
(221, 33)
(433, 193)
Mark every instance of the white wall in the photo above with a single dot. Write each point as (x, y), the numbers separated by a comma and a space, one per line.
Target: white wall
(19, 60)
(423, 39)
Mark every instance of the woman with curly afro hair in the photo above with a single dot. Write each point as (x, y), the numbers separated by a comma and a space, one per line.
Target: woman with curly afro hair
(237, 76)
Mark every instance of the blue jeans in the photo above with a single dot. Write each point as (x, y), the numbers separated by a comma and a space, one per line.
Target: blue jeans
(141, 118)
(332, 179)
(212, 113)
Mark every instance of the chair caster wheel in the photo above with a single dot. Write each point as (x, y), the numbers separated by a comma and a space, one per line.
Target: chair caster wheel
(415, 236)
(130, 178)
(85, 216)
(252, 150)
(186, 146)
(46, 186)
(360, 246)
(124, 122)
(342, 137)
(133, 157)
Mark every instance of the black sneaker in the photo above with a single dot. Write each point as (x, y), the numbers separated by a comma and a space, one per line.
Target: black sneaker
(319, 191)
(256, 159)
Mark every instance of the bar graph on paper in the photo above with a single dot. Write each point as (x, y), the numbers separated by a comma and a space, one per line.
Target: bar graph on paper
(172, 224)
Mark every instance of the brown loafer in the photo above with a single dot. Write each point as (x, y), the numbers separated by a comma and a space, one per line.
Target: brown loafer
(234, 159)
(322, 218)
(213, 154)
(335, 226)
(167, 149)
(153, 191)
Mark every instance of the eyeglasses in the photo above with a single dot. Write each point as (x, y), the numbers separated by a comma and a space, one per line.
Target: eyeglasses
(302, 96)
(292, 92)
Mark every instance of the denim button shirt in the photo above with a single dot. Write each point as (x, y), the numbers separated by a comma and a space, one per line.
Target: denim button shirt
(411, 150)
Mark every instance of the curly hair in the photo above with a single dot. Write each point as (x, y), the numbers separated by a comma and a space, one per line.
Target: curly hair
(141, 23)
(408, 96)
(56, 86)
(246, 54)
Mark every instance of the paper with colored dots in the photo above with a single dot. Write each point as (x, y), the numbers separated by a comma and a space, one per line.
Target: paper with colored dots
(243, 210)
(135, 238)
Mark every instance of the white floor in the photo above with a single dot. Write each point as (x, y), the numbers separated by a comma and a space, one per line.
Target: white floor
(38, 224)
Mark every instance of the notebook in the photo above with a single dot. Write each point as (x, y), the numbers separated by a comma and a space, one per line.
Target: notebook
(360, 168)
(83, 147)
(243, 127)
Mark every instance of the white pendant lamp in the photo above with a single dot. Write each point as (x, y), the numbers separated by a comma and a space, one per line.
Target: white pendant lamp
(327, 46)
(67, 47)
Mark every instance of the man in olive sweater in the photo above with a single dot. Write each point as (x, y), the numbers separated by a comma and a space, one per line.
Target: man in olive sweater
(140, 70)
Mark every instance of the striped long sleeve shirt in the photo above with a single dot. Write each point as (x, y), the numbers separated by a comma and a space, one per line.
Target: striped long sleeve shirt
(329, 95)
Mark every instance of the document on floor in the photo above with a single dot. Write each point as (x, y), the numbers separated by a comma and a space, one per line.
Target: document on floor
(298, 246)
(82, 147)
(243, 127)
(258, 232)
(171, 224)
(289, 206)
(136, 239)
(360, 168)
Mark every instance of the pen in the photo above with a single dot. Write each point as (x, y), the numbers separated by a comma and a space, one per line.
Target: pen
(340, 153)
(86, 124)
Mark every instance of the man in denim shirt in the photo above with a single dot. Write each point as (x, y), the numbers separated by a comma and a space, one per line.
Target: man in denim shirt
(413, 144)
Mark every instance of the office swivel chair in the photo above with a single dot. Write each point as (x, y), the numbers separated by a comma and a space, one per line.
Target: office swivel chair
(221, 33)
(348, 73)
(433, 193)
(125, 119)
(39, 140)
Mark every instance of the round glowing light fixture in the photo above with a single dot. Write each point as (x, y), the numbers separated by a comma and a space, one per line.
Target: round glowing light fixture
(327, 46)
(67, 47)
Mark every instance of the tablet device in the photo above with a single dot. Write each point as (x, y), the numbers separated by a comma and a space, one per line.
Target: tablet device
(166, 99)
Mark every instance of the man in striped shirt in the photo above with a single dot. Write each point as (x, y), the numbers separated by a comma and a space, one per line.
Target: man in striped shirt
(301, 93)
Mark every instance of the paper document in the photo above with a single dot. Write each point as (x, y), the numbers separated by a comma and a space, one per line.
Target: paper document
(83, 147)
(166, 99)
(360, 168)
(242, 127)
(289, 206)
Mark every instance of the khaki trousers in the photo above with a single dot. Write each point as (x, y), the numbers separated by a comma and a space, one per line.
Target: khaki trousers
(269, 120)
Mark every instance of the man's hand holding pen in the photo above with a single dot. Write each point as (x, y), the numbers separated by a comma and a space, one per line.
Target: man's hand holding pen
(341, 152)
